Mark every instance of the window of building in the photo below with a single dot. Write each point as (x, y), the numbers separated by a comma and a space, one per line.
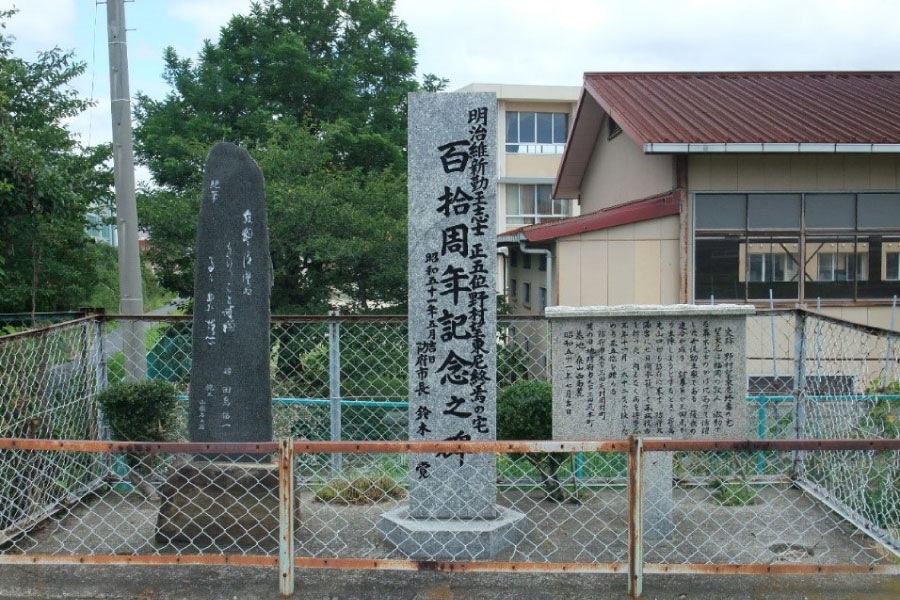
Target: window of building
(771, 264)
(542, 297)
(526, 293)
(513, 258)
(513, 285)
(542, 262)
(536, 132)
(841, 266)
(747, 246)
(614, 129)
(892, 266)
(527, 204)
(526, 261)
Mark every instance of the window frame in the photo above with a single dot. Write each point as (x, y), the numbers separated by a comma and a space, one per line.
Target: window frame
(895, 276)
(514, 190)
(869, 256)
(535, 147)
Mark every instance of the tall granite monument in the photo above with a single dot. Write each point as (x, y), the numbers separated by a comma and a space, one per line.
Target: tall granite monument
(228, 499)
(452, 510)
(658, 371)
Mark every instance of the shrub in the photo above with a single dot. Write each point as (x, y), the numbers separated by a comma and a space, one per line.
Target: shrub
(360, 490)
(883, 419)
(525, 412)
(314, 371)
(511, 364)
(139, 411)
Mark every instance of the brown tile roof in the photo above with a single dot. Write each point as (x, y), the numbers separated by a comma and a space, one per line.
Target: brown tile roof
(645, 209)
(781, 107)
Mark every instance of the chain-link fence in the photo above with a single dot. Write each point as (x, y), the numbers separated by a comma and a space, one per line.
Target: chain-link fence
(48, 383)
(344, 378)
(677, 504)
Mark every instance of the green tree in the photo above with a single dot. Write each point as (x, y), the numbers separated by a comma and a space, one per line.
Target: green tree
(316, 91)
(48, 182)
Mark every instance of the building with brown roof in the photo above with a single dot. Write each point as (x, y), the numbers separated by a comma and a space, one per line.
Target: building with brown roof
(726, 187)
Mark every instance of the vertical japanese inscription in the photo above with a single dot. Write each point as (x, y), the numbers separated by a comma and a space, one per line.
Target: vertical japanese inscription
(230, 389)
(452, 306)
(649, 372)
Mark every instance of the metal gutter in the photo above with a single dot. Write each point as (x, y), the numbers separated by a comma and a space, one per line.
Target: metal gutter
(767, 147)
(511, 238)
(549, 255)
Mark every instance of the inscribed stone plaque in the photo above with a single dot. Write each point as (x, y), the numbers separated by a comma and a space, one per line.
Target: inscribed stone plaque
(661, 371)
(452, 304)
(230, 391)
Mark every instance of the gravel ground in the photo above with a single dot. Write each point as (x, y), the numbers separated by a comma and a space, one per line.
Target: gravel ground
(124, 523)
(782, 526)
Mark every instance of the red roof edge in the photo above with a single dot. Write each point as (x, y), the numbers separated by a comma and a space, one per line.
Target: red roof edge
(636, 211)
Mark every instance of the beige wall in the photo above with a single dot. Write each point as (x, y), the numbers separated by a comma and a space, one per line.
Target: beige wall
(876, 316)
(565, 107)
(619, 171)
(793, 172)
(531, 165)
(630, 264)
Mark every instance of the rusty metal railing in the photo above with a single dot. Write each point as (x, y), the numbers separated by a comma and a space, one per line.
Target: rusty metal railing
(603, 520)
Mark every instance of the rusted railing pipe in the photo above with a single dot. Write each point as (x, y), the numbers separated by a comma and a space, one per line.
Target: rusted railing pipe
(473, 447)
(286, 517)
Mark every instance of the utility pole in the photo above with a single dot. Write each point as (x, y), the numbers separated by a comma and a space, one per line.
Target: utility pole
(131, 300)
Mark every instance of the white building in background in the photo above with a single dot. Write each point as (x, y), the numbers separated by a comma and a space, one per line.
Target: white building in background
(102, 227)
(533, 122)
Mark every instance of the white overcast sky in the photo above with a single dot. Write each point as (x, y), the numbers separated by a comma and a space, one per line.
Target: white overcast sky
(503, 41)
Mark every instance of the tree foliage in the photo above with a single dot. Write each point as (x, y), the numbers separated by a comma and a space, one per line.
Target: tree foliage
(48, 181)
(316, 91)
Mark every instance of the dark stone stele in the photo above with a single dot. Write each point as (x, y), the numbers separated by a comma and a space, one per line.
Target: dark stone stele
(229, 499)
(231, 304)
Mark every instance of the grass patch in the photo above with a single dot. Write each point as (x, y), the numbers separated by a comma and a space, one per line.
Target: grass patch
(359, 490)
(733, 493)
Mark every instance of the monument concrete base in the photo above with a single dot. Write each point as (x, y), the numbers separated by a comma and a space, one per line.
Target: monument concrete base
(452, 539)
(221, 503)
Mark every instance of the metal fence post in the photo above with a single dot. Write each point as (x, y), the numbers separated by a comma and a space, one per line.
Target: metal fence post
(636, 516)
(286, 517)
(886, 378)
(799, 390)
(101, 379)
(334, 384)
